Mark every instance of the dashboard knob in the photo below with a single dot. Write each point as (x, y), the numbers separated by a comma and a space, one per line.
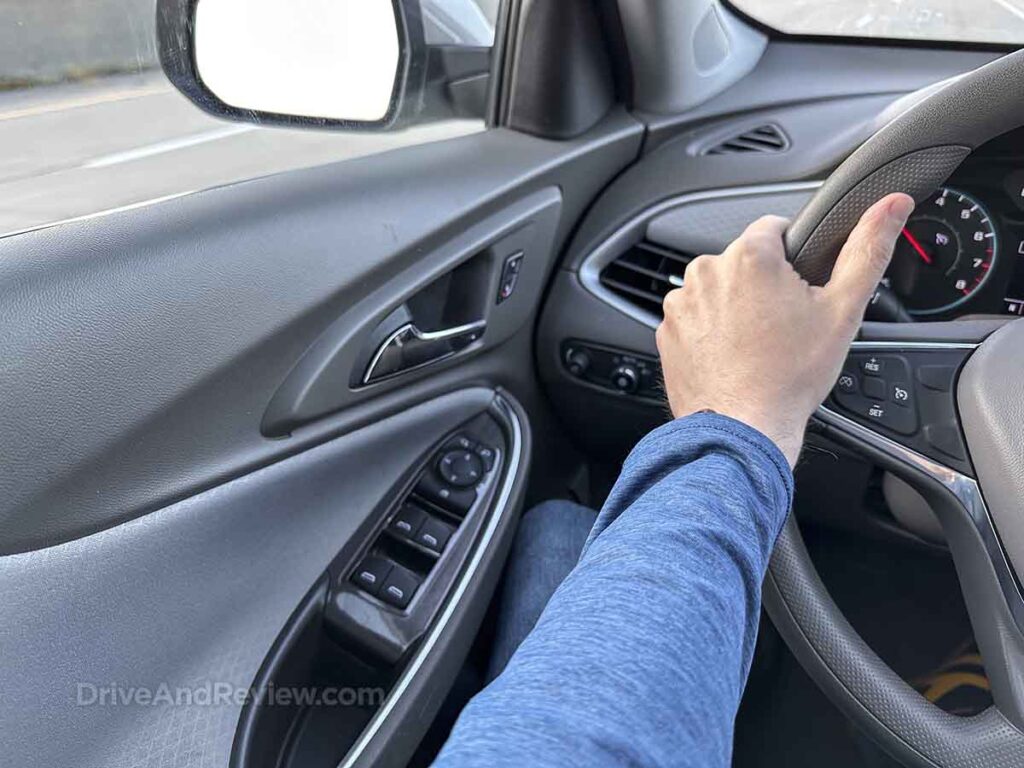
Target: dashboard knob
(626, 378)
(578, 362)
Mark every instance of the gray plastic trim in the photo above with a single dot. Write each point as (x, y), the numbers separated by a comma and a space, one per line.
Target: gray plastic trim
(633, 230)
(502, 507)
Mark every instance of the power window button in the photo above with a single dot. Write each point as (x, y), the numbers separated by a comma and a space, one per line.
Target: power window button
(371, 574)
(399, 587)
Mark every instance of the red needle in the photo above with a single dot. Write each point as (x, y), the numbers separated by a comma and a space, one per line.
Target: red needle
(917, 246)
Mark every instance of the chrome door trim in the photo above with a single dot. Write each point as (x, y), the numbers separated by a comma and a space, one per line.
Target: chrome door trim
(430, 642)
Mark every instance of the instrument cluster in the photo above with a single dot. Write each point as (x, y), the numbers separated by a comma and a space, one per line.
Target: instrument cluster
(962, 251)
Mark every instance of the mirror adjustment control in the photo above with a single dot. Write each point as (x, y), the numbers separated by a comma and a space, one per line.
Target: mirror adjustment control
(399, 587)
(460, 468)
(371, 574)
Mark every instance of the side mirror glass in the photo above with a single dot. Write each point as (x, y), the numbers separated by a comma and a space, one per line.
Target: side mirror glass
(352, 64)
(331, 59)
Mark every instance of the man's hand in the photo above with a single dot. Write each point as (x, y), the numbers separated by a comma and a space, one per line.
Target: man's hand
(748, 338)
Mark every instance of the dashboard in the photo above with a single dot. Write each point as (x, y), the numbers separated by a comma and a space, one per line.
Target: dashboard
(962, 251)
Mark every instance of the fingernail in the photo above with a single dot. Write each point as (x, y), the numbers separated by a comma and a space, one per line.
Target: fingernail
(901, 206)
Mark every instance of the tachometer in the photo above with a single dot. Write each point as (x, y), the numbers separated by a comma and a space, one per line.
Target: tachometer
(945, 254)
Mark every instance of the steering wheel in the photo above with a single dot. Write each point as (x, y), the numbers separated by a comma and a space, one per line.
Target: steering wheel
(978, 500)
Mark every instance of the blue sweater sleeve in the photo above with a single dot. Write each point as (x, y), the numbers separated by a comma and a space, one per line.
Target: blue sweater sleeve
(641, 656)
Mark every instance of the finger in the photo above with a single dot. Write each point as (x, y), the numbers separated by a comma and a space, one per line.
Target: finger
(763, 238)
(865, 257)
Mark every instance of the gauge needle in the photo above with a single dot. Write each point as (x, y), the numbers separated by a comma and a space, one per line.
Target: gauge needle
(917, 246)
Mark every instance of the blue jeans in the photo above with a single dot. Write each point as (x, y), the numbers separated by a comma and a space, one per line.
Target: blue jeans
(547, 546)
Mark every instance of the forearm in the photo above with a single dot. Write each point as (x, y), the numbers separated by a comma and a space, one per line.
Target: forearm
(642, 653)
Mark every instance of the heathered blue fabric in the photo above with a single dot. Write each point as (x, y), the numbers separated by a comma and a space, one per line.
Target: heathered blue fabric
(641, 655)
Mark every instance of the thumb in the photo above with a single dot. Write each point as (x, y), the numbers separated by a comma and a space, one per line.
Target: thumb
(866, 255)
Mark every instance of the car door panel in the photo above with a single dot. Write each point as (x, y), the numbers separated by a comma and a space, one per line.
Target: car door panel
(149, 342)
(190, 595)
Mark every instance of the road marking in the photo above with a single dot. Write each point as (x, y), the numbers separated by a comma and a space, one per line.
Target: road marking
(84, 101)
(171, 145)
(1011, 7)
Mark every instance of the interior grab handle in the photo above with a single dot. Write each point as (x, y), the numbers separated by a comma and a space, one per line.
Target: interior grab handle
(409, 348)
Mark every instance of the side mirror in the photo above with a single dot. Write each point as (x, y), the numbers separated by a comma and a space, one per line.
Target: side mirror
(354, 64)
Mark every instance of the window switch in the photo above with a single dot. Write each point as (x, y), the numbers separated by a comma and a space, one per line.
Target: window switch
(407, 521)
(399, 587)
(434, 535)
(371, 574)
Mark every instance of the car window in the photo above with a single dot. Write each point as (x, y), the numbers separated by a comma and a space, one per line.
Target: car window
(89, 122)
(964, 21)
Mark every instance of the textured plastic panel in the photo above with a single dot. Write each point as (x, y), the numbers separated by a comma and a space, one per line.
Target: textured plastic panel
(188, 596)
(710, 225)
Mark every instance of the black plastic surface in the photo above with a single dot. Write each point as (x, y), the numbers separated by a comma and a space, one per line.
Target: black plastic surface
(915, 403)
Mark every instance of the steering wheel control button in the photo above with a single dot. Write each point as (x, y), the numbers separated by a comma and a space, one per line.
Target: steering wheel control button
(873, 366)
(946, 438)
(874, 388)
(937, 377)
(371, 574)
(901, 394)
(399, 587)
(407, 522)
(434, 535)
(461, 468)
(847, 383)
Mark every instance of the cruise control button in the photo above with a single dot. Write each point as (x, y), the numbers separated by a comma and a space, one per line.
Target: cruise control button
(434, 535)
(873, 366)
(399, 587)
(371, 573)
(847, 382)
(901, 394)
(874, 388)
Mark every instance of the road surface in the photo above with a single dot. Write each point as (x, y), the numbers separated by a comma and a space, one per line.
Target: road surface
(76, 150)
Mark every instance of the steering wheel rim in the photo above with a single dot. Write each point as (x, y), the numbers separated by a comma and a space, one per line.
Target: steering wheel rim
(915, 153)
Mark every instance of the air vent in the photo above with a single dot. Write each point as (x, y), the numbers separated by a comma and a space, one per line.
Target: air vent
(767, 138)
(645, 273)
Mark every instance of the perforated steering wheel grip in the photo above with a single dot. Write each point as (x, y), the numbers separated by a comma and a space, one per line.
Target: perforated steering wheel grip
(914, 153)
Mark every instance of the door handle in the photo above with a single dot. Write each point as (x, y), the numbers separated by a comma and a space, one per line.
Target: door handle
(409, 348)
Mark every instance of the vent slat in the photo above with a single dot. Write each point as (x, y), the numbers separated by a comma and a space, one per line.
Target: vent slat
(651, 273)
(645, 273)
(765, 138)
